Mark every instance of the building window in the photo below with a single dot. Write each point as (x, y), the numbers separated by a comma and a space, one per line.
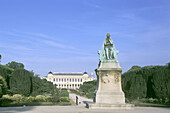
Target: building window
(70, 79)
(59, 84)
(78, 85)
(72, 84)
(62, 79)
(62, 84)
(65, 80)
(56, 79)
(78, 80)
(81, 80)
(73, 80)
(75, 84)
(59, 79)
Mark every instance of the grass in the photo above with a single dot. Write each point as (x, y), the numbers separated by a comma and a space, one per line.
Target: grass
(151, 105)
(148, 104)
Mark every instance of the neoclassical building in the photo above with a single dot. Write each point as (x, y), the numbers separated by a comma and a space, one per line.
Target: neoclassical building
(69, 80)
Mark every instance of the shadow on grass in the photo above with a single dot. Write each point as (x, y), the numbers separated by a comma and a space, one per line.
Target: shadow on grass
(21, 107)
(34, 104)
(15, 109)
(152, 105)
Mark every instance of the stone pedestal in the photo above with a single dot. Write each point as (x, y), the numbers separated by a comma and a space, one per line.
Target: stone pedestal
(109, 94)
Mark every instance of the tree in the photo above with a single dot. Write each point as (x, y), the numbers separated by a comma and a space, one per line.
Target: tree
(134, 67)
(147, 82)
(5, 72)
(64, 93)
(88, 88)
(41, 86)
(3, 86)
(168, 65)
(15, 65)
(134, 85)
(0, 58)
(161, 82)
(20, 82)
(36, 75)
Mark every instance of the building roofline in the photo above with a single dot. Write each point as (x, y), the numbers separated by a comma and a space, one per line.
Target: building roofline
(68, 73)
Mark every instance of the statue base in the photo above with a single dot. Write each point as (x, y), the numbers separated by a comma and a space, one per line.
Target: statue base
(108, 106)
(109, 94)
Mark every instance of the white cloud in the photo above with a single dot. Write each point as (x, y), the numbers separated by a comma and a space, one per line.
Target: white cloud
(92, 4)
(150, 8)
(37, 37)
(59, 45)
(38, 42)
(15, 47)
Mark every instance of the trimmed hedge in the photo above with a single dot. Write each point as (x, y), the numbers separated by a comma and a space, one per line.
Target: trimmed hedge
(147, 82)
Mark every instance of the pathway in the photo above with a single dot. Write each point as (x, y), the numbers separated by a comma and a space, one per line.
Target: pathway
(78, 109)
(81, 100)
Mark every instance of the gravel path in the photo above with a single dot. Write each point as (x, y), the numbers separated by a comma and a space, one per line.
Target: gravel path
(78, 109)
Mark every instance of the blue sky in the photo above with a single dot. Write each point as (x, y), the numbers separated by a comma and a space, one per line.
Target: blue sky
(65, 35)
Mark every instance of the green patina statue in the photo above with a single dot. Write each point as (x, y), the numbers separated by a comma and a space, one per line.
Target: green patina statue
(108, 53)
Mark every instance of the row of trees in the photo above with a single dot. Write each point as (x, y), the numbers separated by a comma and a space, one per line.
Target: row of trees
(23, 82)
(14, 79)
(147, 82)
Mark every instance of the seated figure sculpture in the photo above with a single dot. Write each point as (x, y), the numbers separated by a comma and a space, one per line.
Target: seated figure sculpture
(108, 53)
(108, 93)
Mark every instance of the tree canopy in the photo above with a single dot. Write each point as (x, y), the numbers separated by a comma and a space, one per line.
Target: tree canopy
(0, 58)
(20, 82)
(3, 86)
(15, 65)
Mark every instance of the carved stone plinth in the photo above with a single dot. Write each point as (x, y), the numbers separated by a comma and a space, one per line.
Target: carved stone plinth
(109, 94)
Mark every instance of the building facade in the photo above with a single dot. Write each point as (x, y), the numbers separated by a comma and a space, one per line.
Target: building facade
(69, 80)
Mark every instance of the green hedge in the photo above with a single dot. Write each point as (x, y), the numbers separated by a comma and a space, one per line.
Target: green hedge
(64, 99)
(18, 100)
(3, 86)
(147, 82)
(20, 82)
(64, 93)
